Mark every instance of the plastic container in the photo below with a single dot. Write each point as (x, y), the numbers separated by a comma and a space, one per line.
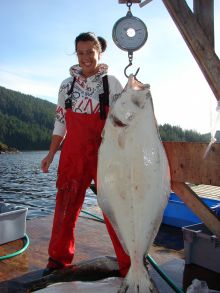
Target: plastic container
(178, 214)
(12, 222)
(201, 247)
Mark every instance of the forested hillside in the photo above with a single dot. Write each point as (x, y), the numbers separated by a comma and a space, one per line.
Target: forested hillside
(26, 123)
(176, 133)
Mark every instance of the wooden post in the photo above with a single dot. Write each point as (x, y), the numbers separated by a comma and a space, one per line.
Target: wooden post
(204, 13)
(197, 41)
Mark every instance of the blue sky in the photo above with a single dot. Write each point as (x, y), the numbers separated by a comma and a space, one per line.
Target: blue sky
(37, 49)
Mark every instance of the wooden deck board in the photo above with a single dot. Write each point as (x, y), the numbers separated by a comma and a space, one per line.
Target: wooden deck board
(209, 191)
(92, 240)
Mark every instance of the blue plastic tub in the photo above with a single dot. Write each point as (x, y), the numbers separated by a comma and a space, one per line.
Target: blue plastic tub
(178, 214)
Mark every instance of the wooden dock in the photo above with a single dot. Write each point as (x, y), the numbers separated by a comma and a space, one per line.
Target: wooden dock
(208, 191)
(92, 241)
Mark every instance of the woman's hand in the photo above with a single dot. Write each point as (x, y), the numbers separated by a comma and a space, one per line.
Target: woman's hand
(45, 163)
(54, 146)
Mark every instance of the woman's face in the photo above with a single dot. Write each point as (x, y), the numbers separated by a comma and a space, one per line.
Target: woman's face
(88, 57)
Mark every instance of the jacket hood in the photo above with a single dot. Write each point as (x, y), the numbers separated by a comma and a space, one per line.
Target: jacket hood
(76, 71)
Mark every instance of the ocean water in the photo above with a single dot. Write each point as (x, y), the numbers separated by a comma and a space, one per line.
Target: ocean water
(22, 183)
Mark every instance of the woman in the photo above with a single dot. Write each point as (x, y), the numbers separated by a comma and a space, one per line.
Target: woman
(83, 104)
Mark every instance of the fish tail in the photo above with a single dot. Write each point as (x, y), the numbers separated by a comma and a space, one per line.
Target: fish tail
(141, 284)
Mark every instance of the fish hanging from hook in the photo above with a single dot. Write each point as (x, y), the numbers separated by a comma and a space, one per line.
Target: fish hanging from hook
(129, 34)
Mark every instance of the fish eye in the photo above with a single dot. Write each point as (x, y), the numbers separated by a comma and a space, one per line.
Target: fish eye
(115, 98)
(138, 103)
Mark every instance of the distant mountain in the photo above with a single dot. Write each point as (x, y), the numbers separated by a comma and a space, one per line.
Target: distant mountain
(26, 122)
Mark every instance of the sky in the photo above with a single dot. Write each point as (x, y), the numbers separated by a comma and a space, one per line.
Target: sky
(37, 50)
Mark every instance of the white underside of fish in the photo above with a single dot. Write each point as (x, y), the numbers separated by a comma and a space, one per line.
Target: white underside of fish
(109, 285)
(133, 189)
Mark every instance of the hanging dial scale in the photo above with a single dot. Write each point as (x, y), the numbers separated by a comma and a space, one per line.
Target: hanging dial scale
(129, 34)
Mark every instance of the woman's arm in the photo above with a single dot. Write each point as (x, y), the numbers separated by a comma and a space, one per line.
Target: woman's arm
(59, 130)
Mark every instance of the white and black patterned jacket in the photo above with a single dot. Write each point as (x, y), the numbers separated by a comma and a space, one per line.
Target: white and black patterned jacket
(85, 96)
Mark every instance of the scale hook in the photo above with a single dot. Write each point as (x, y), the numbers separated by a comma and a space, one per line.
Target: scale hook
(130, 58)
(127, 68)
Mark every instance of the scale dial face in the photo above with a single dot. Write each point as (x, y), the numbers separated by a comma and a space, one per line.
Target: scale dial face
(129, 33)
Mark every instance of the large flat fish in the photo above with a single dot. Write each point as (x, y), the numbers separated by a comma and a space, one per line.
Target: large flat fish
(133, 178)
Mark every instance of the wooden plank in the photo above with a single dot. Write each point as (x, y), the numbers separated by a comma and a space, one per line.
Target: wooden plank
(188, 165)
(198, 207)
(35, 258)
(197, 42)
(131, 1)
(204, 12)
(210, 191)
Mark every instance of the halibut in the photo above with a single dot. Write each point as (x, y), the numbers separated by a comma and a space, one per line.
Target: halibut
(133, 178)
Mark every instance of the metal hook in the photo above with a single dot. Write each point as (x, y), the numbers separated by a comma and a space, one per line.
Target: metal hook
(130, 58)
(127, 68)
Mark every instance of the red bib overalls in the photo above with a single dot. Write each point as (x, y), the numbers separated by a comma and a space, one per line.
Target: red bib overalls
(77, 168)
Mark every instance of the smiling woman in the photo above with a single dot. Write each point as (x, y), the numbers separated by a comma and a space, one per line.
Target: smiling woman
(88, 91)
(88, 52)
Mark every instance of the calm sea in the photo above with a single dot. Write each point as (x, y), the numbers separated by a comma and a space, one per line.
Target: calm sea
(22, 183)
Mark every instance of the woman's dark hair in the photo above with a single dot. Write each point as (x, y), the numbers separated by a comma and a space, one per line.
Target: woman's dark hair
(99, 42)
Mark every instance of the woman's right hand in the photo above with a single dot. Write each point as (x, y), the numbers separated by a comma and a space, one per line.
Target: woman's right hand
(45, 163)
(54, 146)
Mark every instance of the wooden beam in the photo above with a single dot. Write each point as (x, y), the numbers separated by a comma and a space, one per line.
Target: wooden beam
(192, 200)
(188, 165)
(204, 13)
(197, 42)
(131, 1)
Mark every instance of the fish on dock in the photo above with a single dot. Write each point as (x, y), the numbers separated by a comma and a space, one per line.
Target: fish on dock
(133, 178)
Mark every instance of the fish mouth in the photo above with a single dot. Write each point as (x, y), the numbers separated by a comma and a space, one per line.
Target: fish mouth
(117, 122)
